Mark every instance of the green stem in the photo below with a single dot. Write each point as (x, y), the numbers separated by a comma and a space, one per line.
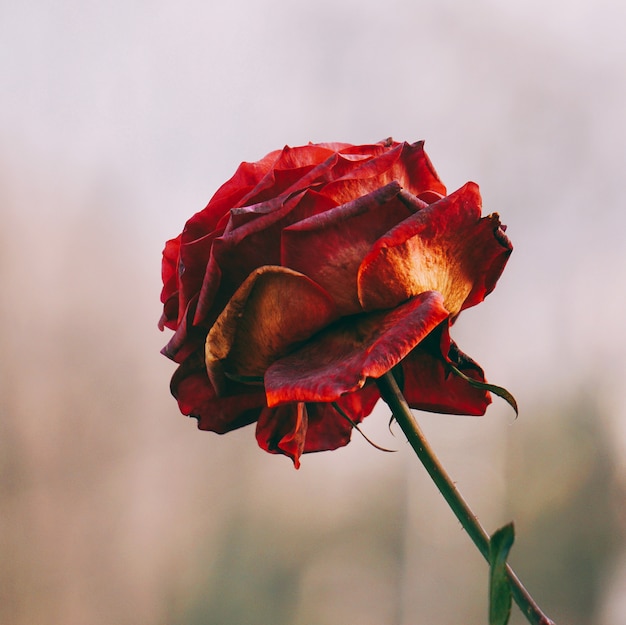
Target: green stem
(392, 395)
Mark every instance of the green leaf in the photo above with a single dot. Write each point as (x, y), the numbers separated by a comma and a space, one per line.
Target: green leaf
(492, 388)
(499, 585)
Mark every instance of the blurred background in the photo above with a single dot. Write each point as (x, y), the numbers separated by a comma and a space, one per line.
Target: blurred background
(117, 122)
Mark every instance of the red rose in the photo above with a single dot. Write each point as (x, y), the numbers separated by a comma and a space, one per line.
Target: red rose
(312, 272)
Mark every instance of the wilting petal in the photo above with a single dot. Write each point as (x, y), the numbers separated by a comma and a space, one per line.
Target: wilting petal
(231, 194)
(430, 384)
(329, 247)
(340, 359)
(368, 150)
(169, 293)
(254, 243)
(187, 338)
(273, 311)
(445, 247)
(194, 256)
(296, 428)
(292, 165)
(282, 430)
(328, 429)
(197, 398)
(404, 163)
(415, 172)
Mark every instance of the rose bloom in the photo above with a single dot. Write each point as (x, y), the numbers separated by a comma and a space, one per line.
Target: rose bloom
(316, 270)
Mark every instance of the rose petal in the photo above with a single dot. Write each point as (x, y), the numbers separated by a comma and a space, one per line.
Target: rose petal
(417, 173)
(429, 383)
(340, 359)
(369, 149)
(291, 166)
(330, 246)
(201, 229)
(296, 428)
(273, 311)
(445, 247)
(282, 430)
(229, 195)
(254, 243)
(327, 429)
(187, 338)
(404, 163)
(194, 257)
(197, 398)
(169, 293)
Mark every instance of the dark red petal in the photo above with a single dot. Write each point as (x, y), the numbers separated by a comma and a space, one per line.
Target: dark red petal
(282, 430)
(230, 194)
(194, 257)
(429, 383)
(328, 429)
(169, 275)
(445, 247)
(201, 230)
(492, 256)
(254, 243)
(197, 398)
(273, 311)
(283, 181)
(296, 428)
(169, 318)
(169, 268)
(340, 359)
(187, 338)
(329, 247)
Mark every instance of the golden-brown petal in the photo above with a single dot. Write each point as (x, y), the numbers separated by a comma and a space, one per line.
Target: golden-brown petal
(272, 312)
(340, 359)
(445, 247)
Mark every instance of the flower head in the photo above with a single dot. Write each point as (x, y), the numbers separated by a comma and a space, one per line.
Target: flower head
(316, 270)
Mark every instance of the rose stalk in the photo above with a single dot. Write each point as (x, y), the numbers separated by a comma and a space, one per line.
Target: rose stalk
(309, 277)
(392, 395)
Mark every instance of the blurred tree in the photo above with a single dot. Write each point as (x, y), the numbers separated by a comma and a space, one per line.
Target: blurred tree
(563, 497)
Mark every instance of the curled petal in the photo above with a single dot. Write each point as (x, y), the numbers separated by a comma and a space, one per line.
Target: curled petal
(404, 163)
(445, 247)
(367, 150)
(282, 430)
(329, 247)
(251, 242)
(231, 194)
(291, 166)
(273, 311)
(341, 358)
(197, 398)
(296, 428)
(187, 338)
(416, 173)
(169, 293)
(328, 430)
(429, 383)
(194, 257)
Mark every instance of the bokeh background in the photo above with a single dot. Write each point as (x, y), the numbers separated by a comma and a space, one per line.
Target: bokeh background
(118, 121)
